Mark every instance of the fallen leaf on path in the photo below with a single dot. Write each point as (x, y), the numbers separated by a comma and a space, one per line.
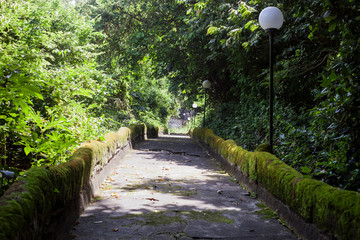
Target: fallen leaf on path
(152, 199)
(115, 229)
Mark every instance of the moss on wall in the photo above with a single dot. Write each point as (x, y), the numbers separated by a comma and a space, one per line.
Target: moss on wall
(333, 210)
(264, 148)
(153, 131)
(27, 208)
(111, 140)
(232, 152)
(239, 156)
(276, 176)
(124, 136)
(138, 132)
(226, 147)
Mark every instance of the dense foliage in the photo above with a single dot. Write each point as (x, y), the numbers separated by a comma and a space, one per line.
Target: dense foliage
(69, 72)
(316, 81)
(48, 80)
(54, 89)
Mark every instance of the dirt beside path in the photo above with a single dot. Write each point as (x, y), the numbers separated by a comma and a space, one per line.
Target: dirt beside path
(169, 188)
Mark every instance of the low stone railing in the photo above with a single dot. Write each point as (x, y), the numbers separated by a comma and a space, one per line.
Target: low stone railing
(313, 209)
(45, 202)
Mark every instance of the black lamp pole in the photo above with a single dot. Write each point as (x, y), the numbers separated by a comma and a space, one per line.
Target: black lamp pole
(271, 19)
(206, 84)
(194, 113)
(271, 32)
(204, 110)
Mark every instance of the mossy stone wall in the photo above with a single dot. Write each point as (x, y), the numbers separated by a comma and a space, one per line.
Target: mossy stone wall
(31, 205)
(153, 131)
(334, 212)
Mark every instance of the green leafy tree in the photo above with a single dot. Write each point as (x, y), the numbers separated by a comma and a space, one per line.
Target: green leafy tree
(49, 82)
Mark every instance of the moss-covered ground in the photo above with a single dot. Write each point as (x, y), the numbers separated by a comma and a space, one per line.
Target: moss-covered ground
(172, 216)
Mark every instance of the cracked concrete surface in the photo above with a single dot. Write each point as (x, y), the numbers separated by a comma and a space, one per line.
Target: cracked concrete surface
(169, 188)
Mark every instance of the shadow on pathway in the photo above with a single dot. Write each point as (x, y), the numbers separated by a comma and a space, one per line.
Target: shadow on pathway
(169, 188)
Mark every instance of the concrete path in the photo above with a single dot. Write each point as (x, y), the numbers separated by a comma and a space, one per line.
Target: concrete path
(169, 188)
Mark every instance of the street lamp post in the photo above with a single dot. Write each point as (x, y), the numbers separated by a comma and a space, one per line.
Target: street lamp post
(271, 20)
(206, 84)
(194, 107)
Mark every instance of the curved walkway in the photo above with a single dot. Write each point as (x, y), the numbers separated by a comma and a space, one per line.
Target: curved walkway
(169, 188)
